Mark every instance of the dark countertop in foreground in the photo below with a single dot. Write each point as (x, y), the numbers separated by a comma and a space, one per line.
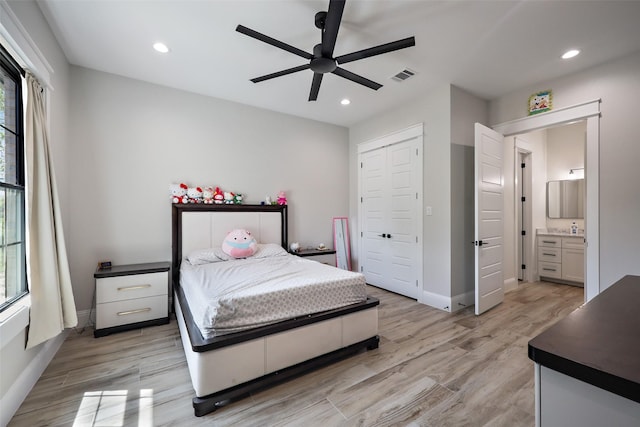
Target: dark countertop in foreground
(598, 343)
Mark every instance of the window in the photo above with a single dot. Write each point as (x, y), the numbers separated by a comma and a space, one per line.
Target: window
(13, 272)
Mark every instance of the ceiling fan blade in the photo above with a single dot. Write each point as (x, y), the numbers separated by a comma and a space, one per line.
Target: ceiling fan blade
(377, 50)
(280, 73)
(331, 27)
(356, 78)
(273, 42)
(315, 86)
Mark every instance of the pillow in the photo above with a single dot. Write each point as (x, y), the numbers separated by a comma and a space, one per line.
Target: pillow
(206, 256)
(267, 250)
(239, 243)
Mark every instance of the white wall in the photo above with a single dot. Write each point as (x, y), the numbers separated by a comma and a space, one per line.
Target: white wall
(617, 84)
(565, 151)
(131, 139)
(21, 368)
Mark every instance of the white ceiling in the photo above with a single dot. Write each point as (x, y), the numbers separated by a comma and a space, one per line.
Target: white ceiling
(488, 48)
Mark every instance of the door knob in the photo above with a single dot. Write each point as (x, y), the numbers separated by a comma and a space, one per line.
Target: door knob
(388, 236)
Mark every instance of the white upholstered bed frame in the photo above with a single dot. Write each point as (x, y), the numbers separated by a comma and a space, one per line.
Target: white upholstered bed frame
(233, 366)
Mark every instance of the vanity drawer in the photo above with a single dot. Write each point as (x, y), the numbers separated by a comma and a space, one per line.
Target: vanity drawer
(572, 243)
(549, 254)
(121, 288)
(549, 269)
(131, 311)
(550, 241)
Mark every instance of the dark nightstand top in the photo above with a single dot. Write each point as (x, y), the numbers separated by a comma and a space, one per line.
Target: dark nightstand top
(130, 269)
(314, 252)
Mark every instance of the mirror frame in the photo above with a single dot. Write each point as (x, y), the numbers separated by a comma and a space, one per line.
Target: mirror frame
(341, 242)
(560, 199)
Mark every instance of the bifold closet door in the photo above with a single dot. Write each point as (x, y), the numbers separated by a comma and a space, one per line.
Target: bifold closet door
(389, 224)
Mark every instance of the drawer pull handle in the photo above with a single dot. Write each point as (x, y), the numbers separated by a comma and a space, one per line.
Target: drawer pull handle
(550, 241)
(140, 310)
(544, 253)
(549, 269)
(133, 288)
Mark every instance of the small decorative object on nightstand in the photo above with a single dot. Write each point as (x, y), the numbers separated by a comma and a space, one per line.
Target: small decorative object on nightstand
(131, 296)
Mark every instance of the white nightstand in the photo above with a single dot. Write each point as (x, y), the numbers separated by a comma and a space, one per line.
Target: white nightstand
(131, 296)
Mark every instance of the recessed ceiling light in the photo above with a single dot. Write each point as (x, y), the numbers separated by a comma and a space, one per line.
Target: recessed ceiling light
(161, 47)
(570, 53)
(345, 102)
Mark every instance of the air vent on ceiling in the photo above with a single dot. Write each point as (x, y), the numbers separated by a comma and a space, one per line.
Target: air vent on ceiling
(403, 75)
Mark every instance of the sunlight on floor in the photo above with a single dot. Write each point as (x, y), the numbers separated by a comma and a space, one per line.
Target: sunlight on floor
(108, 409)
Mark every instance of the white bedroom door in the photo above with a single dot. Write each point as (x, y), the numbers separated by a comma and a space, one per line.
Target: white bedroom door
(489, 218)
(390, 189)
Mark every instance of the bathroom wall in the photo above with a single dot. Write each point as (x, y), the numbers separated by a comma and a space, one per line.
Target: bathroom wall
(565, 151)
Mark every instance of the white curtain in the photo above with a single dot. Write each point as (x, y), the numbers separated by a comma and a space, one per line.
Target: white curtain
(52, 304)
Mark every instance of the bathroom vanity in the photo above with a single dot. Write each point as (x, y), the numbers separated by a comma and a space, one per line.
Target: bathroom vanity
(561, 257)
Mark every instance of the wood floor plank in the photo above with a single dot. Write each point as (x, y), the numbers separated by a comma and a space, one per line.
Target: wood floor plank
(432, 368)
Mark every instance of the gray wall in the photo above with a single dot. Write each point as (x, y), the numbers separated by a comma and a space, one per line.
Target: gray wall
(447, 113)
(617, 84)
(466, 110)
(131, 139)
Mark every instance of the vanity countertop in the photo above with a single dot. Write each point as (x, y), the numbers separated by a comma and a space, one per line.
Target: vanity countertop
(558, 234)
(598, 343)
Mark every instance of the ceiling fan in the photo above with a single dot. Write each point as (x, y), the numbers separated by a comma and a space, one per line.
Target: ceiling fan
(322, 60)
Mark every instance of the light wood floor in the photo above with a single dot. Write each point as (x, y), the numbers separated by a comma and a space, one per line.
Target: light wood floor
(432, 369)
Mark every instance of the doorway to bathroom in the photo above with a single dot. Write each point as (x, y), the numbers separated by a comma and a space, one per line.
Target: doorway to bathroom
(550, 158)
(519, 133)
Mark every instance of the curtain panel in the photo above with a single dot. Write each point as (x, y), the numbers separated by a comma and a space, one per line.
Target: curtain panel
(52, 303)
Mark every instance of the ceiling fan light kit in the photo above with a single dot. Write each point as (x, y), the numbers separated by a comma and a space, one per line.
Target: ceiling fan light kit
(322, 60)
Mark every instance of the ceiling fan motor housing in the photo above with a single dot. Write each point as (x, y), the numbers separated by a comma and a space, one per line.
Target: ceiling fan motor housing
(320, 64)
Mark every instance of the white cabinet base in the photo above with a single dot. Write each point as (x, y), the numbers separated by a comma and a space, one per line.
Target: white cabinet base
(565, 401)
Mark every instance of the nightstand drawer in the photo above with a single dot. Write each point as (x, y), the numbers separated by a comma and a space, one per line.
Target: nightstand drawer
(549, 254)
(131, 311)
(121, 288)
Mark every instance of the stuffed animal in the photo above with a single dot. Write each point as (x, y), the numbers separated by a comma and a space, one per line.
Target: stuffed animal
(218, 196)
(178, 193)
(228, 197)
(194, 194)
(282, 199)
(239, 243)
(207, 195)
(237, 199)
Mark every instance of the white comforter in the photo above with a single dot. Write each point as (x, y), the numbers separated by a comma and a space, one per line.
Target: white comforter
(236, 295)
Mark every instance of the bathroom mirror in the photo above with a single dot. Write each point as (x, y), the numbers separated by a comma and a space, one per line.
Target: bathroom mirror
(341, 242)
(565, 199)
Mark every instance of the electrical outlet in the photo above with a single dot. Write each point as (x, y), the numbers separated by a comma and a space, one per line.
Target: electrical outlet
(429, 211)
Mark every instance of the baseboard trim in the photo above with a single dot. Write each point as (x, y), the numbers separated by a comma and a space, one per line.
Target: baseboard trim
(19, 390)
(84, 318)
(462, 301)
(510, 284)
(436, 301)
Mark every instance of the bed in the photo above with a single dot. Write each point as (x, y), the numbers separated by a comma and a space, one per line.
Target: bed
(226, 365)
